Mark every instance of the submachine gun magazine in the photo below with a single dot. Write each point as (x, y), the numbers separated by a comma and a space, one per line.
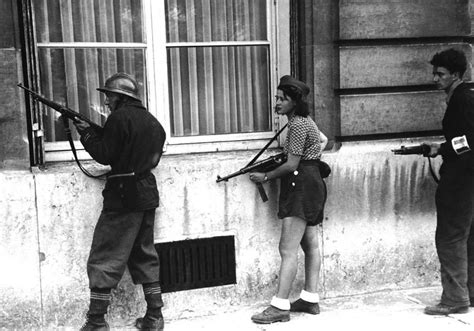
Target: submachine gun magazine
(265, 165)
(422, 149)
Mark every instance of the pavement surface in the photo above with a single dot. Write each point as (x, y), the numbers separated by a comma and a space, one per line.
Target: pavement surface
(387, 310)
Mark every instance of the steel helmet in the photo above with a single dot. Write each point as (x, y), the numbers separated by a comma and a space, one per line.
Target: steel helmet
(121, 83)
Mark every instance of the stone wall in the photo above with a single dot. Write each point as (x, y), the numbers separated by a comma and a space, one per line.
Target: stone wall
(377, 234)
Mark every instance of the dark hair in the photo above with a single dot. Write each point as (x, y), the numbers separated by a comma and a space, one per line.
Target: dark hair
(452, 59)
(302, 106)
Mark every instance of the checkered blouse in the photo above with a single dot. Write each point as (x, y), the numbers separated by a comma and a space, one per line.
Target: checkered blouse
(303, 138)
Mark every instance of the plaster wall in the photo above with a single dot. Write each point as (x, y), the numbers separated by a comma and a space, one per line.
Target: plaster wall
(378, 232)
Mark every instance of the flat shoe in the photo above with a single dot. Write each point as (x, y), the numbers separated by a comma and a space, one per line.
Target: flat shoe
(303, 306)
(271, 315)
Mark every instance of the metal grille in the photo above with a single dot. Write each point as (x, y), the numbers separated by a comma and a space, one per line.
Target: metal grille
(196, 263)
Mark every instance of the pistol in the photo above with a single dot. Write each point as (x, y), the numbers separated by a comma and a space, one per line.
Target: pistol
(422, 149)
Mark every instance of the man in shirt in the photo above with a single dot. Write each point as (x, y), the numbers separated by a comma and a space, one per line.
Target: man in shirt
(455, 192)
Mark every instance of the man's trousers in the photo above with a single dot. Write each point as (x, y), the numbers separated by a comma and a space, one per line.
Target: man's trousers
(455, 231)
(122, 239)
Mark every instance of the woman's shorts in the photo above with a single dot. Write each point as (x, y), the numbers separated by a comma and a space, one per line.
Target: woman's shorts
(303, 194)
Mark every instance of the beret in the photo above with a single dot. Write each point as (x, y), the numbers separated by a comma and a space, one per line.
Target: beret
(287, 80)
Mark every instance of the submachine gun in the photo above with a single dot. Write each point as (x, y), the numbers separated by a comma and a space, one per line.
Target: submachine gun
(65, 111)
(265, 165)
(422, 149)
(67, 114)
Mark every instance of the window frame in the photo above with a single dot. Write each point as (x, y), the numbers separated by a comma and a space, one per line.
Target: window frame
(155, 49)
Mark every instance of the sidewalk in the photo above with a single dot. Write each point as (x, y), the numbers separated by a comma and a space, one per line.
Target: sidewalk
(391, 310)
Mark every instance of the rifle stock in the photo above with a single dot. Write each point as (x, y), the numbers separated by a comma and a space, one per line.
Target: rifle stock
(65, 111)
(422, 149)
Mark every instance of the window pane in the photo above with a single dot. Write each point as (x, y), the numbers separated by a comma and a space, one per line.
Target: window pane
(216, 20)
(88, 20)
(218, 90)
(71, 76)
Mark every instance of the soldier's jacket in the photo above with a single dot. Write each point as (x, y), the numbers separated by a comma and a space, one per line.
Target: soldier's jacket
(132, 141)
(458, 121)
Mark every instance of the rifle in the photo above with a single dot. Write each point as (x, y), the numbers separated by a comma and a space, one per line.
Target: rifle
(68, 114)
(262, 166)
(422, 149)
(65, 111)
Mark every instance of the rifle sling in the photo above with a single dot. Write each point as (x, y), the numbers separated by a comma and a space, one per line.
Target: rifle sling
(435, 178)
(260, 187)
(266, 146)
(74, 152)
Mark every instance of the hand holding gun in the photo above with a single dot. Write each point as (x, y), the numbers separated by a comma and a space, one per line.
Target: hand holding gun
(262, 166)
(66, 112)
(81, 125)
(423, 149)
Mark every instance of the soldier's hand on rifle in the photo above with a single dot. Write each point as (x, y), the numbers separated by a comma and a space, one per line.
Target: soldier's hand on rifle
(257, 177)
(80, 125)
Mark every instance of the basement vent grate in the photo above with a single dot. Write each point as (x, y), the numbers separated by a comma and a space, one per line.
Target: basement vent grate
(196, 263)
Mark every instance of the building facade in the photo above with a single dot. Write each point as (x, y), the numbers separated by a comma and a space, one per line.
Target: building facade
(208, 71)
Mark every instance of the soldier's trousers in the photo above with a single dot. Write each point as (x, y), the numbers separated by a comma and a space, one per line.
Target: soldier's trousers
(455, 232)
(122, 239)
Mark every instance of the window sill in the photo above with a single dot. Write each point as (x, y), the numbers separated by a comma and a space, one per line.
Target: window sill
(60, 151)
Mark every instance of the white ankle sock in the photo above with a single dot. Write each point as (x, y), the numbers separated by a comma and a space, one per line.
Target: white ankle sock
(309, 297)
(283, 304)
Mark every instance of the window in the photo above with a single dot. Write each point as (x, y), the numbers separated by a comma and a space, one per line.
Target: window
(80, 44)
(206, 67)
(219, 56)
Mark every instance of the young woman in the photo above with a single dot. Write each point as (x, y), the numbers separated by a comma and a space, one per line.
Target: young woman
(302, 196)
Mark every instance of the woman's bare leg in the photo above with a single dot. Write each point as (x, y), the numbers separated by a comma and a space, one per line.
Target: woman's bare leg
(292, 232)
(312, 258)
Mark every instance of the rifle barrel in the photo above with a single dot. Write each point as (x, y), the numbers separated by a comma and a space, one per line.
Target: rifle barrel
(232, 175)
(69, 113)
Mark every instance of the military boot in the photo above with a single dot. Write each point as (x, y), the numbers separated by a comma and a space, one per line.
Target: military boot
(153, 319)
(150, 324)
(95, 323)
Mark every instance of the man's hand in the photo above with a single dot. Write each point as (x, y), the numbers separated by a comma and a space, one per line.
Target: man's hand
(434, 149)
(80, 125)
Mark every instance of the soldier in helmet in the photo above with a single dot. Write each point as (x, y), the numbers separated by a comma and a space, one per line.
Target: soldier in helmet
(132, 144)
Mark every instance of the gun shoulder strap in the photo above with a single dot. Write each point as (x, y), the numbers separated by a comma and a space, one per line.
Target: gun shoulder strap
(67, 129)
(266, 146)
(260, 188)
(435, 178)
